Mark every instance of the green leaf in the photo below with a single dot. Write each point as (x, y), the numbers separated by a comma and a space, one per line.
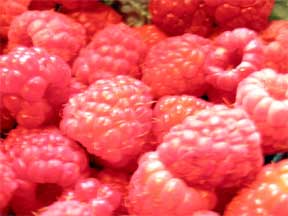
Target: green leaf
(280, 10)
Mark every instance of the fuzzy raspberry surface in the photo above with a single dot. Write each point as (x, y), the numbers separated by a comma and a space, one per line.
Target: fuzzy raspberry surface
(33, 85)
(153, 190)
(175, 66)
(264, 96)
(115, 50)
(57, 33)
(224, 135)
(112, 118)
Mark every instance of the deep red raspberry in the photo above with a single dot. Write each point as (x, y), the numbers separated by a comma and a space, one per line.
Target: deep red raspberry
(180, 16)
(112, 118)
(33, 85)
(231, 14)
(276, 38)
(235, 55)
(175, 66)
(41, 5)
(224, 195)
(150, 34)
(45, 156)
(216, 147)
(205, 213)
(57, 33)
(172, 110)
(8, 183)
(264, 96)
(68, 208)
(9, 10)
(219, 96)
(153, 190)
(7, 122)
(266, 196)
(115, 50)
(77, 4)
(96, 18)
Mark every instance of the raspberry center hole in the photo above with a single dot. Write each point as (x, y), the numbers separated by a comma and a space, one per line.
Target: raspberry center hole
(235, 59)
(48, 193)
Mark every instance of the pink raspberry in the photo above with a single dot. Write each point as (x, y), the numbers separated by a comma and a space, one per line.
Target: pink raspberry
(217, 147)
(9, 10)
(231, 14)
(172, 110)
(205, 213)
(67, 208)
(115, 50)
(175, 66)
(180, 16)
(45, 156)
(8, 183)
(57, 33)
(153, 190)
(112, 118)
(234, 56)
(33, 85)
(264, 96)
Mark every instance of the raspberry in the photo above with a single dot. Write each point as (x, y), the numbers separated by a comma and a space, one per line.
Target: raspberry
(153, 190)
(33, 85)
(175, 66)
(172, 110)
(266, 196)
(95, 19)
(112, 118)
(9, 10)
(56, 159)
(219, 96)
(6, 120)
(264, 96)
(41, 5)
(180, 16)
(150, 34)
(235, 55)
(67, 208)
(230, 14)
(226, 136)
(115, 50)
(205, 213)
(57, 33)
(8, 182)
(78, 4)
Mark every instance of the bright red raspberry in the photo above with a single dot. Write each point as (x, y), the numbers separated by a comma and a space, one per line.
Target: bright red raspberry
(45, 156)
(8, 183)
(234, 56)
(172, 110)
(264, 96)
(153, 190)
(181, 16)
(150, 34)
(112, 118)
(231, 14)
(96, 18)
(68, 208)
(276, 38)
(57, 33)
(115, 50)
(266, 196)
(216, 147)
(175, 66)
(9, 10)
(33, 85)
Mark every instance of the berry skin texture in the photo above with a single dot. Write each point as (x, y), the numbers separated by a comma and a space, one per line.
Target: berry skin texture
(57, 33)
(33, 85)
(226, 136)
(205, 213)
(264, 96)
(172, 110)
(230, 14)
(180, 16)
(235, 55)
(266, 196)
(115, 50)
(175, 66)
(9, 10)
(56, 159)
(112, 118)
(67, 208)
(153, 190)
(8, 182)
